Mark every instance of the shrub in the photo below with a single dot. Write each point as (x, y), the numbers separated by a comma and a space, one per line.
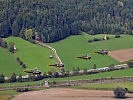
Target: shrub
(45, 75)
(3, 43)
(117, 36)
(2, 78)
(23, 66)
(18, 59)
(54, 82)
(90, 41)
(49, 73)
(11, 47)
(21, 63)
(119, 92)
(19, 78)
(67, 73)
(130, 64)
(23, 90)
(96, 39)
(55, 74)
(13, 78)
(107, 38)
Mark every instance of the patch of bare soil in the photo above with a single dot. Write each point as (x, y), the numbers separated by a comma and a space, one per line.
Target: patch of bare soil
(68, 94)
(122, 55)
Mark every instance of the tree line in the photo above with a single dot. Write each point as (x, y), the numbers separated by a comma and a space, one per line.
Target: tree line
(63, 73)
(57, 19)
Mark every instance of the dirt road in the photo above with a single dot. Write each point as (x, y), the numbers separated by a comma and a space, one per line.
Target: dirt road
(53, 49)
(68, 94)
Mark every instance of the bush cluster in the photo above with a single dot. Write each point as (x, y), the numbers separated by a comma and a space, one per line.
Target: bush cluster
(117, 36)
(97, 39)
(63, 73)
(21, 63)
(23, 89)
(94, 40)
(120, 92)
(3, 43)
(130, 64)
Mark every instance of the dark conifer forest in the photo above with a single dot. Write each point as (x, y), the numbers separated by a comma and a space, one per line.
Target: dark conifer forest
(54, 20)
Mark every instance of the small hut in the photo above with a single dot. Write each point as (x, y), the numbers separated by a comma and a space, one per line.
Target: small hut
(14, 48)
(105, 37)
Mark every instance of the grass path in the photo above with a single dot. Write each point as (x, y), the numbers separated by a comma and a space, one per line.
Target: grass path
(51, 48)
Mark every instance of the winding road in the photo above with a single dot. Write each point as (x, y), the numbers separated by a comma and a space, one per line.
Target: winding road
(51, 48)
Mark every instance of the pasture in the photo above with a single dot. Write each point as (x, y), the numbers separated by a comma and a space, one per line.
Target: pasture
(34, 56)
(8, 63)
(107, 86)
(71, 47)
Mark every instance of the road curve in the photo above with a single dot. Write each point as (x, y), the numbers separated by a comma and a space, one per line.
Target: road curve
(53, 49)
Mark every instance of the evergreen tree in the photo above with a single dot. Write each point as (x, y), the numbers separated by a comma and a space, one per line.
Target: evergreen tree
(2, 78)
(13, 78)
(57, 19)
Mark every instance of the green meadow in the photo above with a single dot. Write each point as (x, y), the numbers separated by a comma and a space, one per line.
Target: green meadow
(34, 56)
(68, 49)
(8, 63)
(73, 46)
(108, 86)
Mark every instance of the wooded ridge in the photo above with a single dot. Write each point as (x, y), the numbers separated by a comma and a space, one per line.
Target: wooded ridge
(57, 19)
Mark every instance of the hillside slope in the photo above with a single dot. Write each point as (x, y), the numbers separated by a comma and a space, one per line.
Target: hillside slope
(34, 56)
(57, 19)
(8, 63)
(68, 49)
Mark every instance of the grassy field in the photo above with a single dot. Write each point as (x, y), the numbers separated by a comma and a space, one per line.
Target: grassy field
(8, 63)
(71, 47)
(34, 56)
(68, 49)
(107, 86)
